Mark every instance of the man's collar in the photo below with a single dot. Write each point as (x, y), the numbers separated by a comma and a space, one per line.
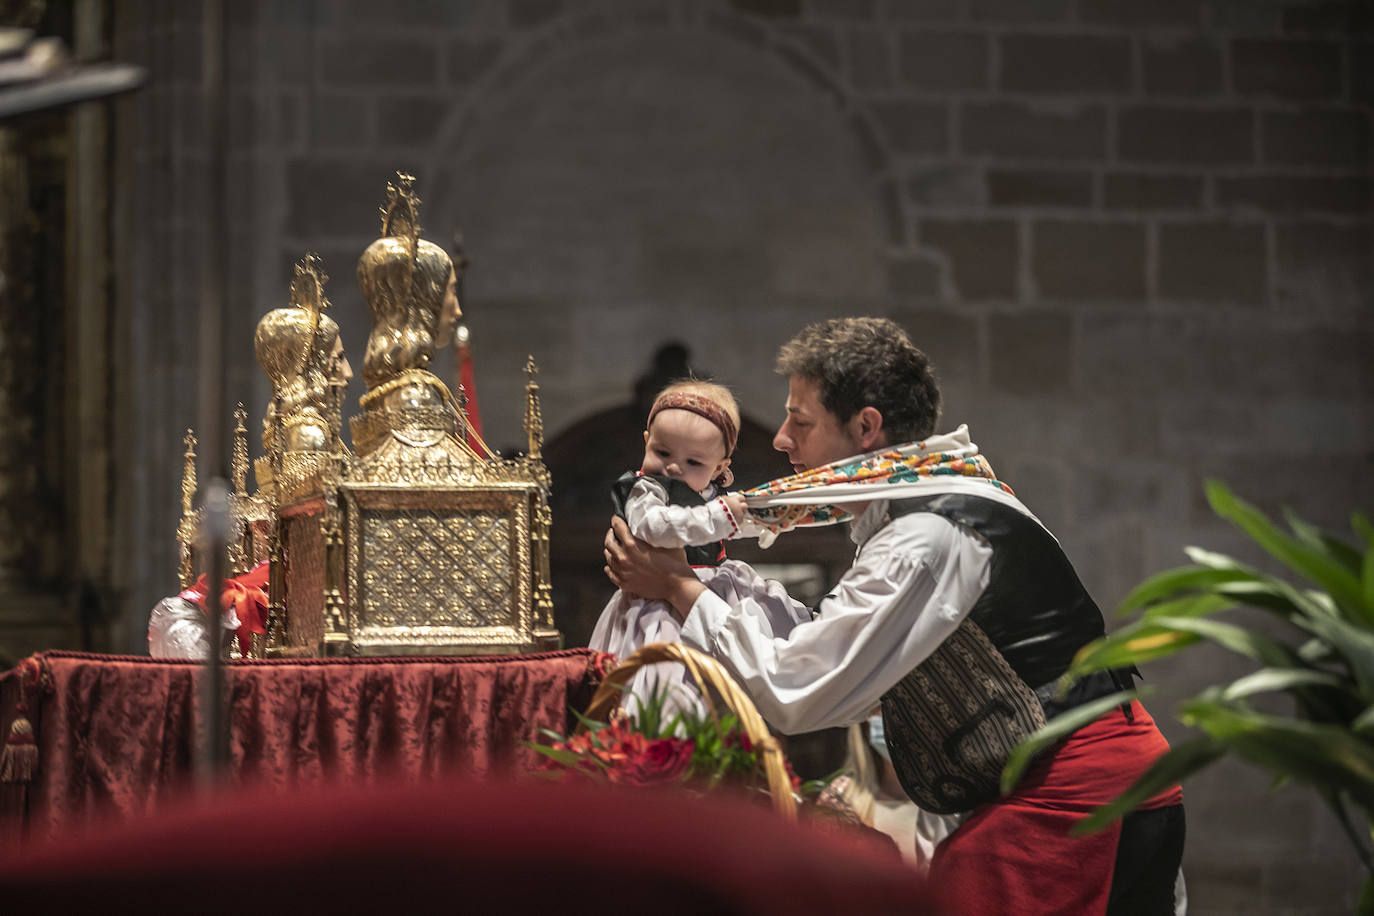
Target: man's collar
(867, 524)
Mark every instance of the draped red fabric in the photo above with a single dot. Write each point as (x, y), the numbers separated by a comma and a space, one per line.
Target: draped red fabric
(458, 846)
(116, 734)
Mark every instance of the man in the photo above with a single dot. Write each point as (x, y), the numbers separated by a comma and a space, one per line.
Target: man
(957, 618)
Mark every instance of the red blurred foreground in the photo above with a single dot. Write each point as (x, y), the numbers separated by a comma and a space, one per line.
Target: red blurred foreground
(458, 847)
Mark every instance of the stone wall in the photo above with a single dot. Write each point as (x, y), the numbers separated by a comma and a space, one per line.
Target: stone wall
(1136, 239)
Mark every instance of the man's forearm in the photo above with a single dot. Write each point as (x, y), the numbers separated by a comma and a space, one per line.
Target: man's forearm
(683, 593)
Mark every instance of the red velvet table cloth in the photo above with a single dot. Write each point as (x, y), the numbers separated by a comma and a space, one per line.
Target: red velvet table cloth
(116, 734)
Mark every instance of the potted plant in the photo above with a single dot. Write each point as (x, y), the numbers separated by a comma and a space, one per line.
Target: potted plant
(1323, 660)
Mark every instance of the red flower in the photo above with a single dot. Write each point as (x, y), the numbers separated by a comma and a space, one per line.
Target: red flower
(652, 762)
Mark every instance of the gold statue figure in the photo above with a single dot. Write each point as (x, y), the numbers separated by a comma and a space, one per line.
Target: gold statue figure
(300, 350)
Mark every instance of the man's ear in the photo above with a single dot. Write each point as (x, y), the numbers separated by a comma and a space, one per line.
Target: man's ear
(866, 429)
(646, 437)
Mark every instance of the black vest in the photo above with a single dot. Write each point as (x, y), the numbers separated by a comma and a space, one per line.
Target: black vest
(679, 494)
(952, 721)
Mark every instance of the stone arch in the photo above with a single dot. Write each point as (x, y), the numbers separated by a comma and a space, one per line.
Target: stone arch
(586, 25)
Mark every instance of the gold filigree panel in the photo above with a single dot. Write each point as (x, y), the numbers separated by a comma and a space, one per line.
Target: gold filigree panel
(436, 567)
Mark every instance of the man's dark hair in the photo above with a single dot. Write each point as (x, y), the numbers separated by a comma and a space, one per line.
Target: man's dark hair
(867, 362)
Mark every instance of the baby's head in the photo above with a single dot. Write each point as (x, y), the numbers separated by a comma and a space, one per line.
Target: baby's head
(691, 433)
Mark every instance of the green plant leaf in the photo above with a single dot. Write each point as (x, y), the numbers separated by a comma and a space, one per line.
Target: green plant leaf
(1364, 722)
(1133, 645)
(1267, 680)
(1336, 802)
(1182, 579)
(1354, 644)
(1319, 540)
(1060, 726)
(1188, 606)
(569, 759)
(1324, 756)
(1258, 589)
(1173, 766)
(1236, 638)
(1361, 525)
(1316, 565)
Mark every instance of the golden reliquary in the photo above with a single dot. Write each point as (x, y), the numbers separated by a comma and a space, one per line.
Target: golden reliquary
(416, 543)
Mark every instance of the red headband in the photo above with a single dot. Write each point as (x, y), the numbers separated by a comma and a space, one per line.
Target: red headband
(702, 407)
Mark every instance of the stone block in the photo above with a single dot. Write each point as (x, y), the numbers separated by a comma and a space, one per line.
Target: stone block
(1213, 136)
(1012, 130)
(1317, 136)
(411, 120)
(1091, 261)
(951, 340)
(923, 10)
(1149, 191)
(1338, 19)
(527, 14)
(1040, 484)
(914, 278)
(1325, 268)
(1020, 11)
(1134, 14)
(1074, 64)
(467, 60)
(871, 60)
(841, 9)
(368, 14)
(983, 254)
(1212, 262)
(1122, 354)
(343, 121)
(1039, 188)
(912, 126)
(378, 61)
(945, 185)
(1286, 68)
(1031, 353)
(943, 61)
(821, 40)
(1181, 66)
(1292, 195)
(329, 197)
(1362, 72)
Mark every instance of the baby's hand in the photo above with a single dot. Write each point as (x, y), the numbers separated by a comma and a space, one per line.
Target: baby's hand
(737, 505)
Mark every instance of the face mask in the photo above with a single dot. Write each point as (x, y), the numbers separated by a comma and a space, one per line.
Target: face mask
(876, 737)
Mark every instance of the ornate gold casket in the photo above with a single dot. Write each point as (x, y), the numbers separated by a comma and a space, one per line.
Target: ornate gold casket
(418, 543)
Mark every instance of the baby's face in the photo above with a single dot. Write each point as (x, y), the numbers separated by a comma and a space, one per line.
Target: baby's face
(684, 446)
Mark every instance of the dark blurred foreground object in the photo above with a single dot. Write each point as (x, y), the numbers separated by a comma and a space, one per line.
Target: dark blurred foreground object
(467, 847)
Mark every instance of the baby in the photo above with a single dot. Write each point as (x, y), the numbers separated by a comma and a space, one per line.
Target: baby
(676, 499)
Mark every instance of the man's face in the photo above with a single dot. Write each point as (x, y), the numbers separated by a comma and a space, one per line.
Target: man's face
(811, 435)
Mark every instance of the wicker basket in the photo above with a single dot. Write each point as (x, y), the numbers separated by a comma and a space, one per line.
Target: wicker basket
(711, 678)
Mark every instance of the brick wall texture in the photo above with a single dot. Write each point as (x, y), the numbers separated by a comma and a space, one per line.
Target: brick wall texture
(1135, 237)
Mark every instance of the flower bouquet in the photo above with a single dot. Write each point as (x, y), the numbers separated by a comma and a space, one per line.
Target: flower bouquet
(699, 751)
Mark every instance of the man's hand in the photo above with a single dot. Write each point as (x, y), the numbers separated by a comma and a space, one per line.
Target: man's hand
(650, 572)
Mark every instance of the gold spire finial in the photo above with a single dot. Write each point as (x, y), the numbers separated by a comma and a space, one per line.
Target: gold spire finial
(534, 419)
(240, 459)
(307, 289)
(401, 215)
(186, 531)
(188, 473)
